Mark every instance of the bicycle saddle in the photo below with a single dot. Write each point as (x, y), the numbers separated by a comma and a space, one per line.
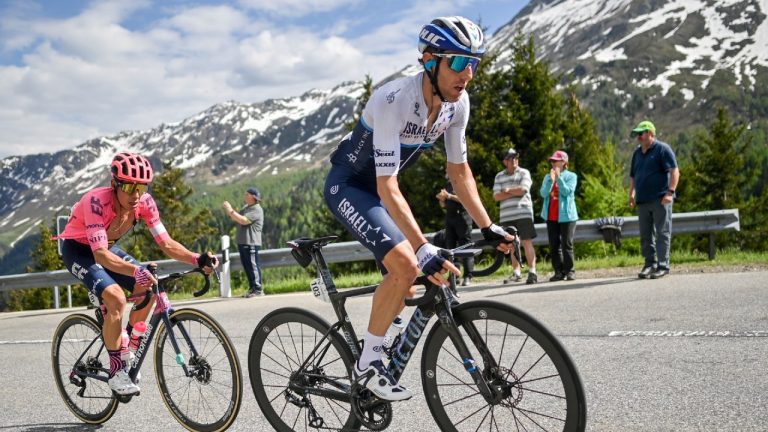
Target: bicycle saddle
(301, 248)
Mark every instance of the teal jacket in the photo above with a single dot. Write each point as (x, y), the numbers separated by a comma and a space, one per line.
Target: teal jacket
(566, 184)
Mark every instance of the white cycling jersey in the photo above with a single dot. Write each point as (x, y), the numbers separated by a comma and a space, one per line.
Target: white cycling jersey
(392, 131)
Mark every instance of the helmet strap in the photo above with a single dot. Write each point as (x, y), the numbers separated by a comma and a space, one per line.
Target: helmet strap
(432, 75)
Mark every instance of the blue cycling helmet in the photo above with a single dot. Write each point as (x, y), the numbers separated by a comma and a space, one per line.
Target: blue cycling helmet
(452, 34)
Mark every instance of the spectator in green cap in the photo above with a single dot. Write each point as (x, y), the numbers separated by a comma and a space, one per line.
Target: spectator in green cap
(653, 178)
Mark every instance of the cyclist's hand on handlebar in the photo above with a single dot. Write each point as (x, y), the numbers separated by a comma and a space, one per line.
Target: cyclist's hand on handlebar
(497, 233)
(433, 265)
(143, 277)
(207, 262)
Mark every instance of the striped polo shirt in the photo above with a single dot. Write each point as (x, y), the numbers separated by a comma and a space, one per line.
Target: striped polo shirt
(516, 207)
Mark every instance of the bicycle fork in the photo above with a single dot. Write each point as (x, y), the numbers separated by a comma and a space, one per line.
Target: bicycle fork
(446, 320)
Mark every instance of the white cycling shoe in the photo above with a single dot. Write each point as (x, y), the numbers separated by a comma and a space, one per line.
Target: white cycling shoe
(381, 383)
(121, 384)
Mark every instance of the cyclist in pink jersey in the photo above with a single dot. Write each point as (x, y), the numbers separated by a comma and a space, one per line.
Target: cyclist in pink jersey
(99, 219)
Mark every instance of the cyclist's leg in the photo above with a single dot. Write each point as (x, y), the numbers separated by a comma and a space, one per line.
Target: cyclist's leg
(360, 210)
(79, 260)
(130, 284)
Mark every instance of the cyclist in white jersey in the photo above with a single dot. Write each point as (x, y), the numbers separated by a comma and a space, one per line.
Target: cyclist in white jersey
(402, 119)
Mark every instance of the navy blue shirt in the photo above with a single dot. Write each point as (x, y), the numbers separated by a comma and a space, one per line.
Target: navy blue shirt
(650, 170)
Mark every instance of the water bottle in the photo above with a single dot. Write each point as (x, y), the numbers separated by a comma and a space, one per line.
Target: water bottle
(125, 353)
(393, 332)
(136, 334)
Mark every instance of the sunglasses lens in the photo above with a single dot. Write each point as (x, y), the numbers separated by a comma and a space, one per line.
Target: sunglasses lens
(459, 63)
(131, 188)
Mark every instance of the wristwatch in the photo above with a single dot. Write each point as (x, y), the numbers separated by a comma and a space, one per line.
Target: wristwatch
(672, 192)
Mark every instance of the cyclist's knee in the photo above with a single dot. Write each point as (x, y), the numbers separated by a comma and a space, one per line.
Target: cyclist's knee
(401, 265)
(114, 299)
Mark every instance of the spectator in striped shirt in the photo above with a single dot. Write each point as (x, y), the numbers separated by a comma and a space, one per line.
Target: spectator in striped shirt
(512, 188)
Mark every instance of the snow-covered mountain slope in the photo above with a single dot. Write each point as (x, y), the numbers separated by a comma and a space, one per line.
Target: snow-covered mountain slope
(225, 142)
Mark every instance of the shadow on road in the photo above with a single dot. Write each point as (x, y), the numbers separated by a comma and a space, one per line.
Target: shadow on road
(52, 427)
(519, 288)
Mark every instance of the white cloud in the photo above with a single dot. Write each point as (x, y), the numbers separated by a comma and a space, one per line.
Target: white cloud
(92, 74)
(296, 8)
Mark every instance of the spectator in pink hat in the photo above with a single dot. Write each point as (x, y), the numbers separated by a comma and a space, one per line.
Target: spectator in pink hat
(559, 211)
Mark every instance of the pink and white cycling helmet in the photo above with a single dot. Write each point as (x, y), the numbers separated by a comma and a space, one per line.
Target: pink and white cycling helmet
(131, 168)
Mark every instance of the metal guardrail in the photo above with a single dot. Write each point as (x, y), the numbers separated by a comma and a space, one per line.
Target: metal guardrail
(586, 230)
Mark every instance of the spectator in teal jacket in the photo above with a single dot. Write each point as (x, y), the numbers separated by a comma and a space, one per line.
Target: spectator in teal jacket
(559, 211)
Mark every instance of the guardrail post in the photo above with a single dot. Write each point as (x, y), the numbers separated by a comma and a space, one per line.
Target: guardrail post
(56, 297)
(69, 296)
(711, 246)
(226, 282)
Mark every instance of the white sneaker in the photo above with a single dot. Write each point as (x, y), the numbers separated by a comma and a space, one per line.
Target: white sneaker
(121, 384)
(381, 383)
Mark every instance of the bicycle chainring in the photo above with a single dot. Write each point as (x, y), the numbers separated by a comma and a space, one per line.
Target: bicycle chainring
(374, 413)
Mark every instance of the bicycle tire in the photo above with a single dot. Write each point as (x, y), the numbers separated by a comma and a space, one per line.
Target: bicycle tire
(71, 339)
(544, 389)
(208, 400)
(488, 262)
(279, 345)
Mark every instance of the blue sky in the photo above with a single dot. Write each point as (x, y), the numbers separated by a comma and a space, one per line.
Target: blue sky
(71, 70)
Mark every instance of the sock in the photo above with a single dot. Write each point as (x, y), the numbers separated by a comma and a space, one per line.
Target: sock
(115, 363)
(532, 270)
(371, 351)
(517, 272)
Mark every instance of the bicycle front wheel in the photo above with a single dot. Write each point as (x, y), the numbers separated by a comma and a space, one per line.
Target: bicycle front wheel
(536, 383)
(78, 353)
(202, 385)
(293, 398)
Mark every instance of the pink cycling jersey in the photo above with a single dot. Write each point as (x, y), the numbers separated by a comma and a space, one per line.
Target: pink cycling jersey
(93, 214)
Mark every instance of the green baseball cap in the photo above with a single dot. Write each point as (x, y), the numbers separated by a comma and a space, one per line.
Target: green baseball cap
(642, 127)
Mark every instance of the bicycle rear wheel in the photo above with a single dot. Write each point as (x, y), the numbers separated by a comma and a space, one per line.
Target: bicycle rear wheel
(288, 395)
(539, 384)
(208, 396)
(77, 349)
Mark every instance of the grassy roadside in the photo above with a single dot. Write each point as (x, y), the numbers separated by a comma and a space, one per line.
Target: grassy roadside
(283, 281)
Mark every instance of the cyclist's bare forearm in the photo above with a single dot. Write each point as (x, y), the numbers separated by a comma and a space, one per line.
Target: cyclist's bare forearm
(177, 251)
(110, 261)
(465, 187)
(398, 208)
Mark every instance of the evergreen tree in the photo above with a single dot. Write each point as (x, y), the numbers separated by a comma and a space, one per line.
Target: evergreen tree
(514, 107)
(361, 102)
(718, 165)
(600, 191)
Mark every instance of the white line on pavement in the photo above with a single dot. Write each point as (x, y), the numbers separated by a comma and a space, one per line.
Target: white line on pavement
(688, 333)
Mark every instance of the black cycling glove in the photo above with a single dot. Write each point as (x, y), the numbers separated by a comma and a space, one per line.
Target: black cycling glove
(493, 233)
(205, 260)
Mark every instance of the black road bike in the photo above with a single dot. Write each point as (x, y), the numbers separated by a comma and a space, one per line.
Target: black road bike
(489, 259)
(485, 365)
(196, 365)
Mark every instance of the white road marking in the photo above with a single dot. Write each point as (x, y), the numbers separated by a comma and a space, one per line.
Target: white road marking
(688, 333)
(41, 341)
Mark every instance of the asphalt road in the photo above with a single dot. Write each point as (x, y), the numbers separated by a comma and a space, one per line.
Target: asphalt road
(684, 353)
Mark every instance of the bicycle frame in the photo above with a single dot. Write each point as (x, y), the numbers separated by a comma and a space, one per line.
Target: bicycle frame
(161, 311)
(437, 301)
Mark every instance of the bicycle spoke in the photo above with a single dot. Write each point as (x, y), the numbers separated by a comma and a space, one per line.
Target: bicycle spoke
(316, 361)
(520, 365)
